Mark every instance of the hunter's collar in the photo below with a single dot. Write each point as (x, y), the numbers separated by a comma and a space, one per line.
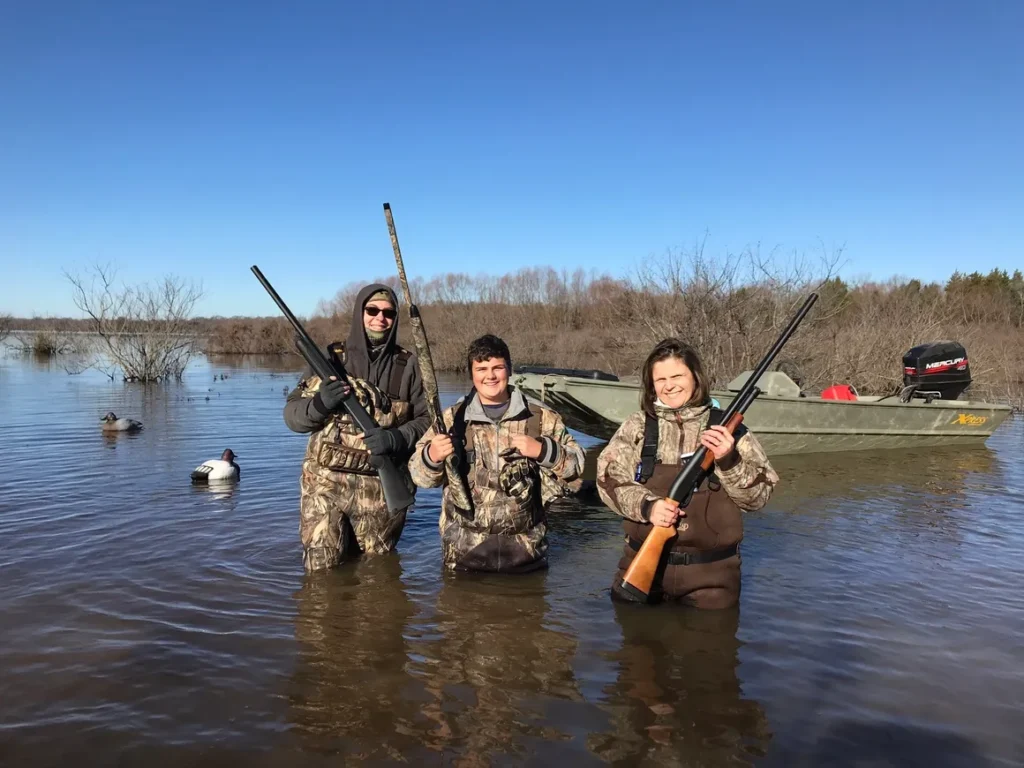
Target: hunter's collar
(517, 406)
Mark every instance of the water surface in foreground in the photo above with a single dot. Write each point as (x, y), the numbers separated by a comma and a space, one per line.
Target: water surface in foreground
(150, 622)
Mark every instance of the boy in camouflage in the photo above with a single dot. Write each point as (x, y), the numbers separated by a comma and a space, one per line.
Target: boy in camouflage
(342, 508)
(702, 565)
(518, 458)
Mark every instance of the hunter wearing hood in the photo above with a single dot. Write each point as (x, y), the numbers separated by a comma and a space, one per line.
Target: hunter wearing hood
(342, 507)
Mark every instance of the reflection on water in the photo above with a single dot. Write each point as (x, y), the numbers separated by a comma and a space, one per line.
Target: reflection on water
(351, 678)
(472, 676)
(498, 667)
(220, 490)
(942, 471)
(677, 697)
(150, 621)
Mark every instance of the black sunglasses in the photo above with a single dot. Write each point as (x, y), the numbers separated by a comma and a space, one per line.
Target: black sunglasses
(390, 314)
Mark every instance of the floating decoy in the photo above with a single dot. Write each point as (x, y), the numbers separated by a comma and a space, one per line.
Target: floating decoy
(113, 424)
(223, 468)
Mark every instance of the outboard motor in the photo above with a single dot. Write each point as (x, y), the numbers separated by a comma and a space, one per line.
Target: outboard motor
(937, 370)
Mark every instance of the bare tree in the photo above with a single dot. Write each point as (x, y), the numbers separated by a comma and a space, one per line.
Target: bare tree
(55, 338)
(340, 304)
(143, 331)
(687, 295)
(6, 323)
(731, 306)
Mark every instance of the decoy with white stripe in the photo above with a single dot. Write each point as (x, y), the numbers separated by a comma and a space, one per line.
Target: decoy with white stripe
(223, 468)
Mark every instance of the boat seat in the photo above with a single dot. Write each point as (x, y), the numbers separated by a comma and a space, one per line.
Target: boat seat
(772, 383)
(839, 392)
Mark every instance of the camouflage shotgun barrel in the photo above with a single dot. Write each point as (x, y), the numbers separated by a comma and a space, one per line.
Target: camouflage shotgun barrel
(457, 486)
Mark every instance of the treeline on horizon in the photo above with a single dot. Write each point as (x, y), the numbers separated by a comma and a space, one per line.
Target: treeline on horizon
(731, 309)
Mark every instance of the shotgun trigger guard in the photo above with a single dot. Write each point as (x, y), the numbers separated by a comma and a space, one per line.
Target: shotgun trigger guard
(685, 502)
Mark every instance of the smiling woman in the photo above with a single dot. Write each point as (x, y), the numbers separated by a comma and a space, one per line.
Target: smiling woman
(640, 463)
(675, 376)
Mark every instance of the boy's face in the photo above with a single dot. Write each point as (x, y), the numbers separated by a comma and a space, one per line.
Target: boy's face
(490, 378)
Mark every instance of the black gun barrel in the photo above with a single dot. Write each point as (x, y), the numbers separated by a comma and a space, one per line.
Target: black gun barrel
(299, 329)
(396, 492)
(751, 382)
(692, 473)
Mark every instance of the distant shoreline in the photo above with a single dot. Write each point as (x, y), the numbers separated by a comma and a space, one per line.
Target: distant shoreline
(856, 334)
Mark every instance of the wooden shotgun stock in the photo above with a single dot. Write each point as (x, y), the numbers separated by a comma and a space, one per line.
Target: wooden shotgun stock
(641, 572)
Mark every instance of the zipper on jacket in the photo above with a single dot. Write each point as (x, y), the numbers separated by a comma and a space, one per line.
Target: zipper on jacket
(497, 446)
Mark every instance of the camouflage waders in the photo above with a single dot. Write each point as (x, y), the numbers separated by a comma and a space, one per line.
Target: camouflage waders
(507, 531)
(702, 565)
(342, 511)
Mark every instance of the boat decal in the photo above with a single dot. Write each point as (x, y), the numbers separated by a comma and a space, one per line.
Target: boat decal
(959, 363)
(970, 420)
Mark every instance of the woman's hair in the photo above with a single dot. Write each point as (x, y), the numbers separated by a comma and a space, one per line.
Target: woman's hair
(665, 349)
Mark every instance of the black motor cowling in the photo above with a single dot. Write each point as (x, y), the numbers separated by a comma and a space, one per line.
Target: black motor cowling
(939, 369)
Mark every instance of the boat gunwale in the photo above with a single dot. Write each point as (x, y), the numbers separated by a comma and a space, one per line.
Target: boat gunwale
(571, 381)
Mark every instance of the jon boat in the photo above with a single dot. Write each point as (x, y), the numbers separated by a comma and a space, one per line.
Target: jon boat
(785, 420)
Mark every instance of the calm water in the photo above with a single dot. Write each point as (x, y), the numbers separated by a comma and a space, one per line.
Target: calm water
(149, 622)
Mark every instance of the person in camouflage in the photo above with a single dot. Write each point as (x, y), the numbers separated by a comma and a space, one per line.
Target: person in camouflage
(342, 509)
(518, 457)
(702, 565)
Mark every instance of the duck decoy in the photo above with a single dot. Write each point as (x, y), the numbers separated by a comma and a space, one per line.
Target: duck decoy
(223, 468)
(113, 424)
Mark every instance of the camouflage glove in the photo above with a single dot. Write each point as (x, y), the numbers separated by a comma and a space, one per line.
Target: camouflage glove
(516, 477)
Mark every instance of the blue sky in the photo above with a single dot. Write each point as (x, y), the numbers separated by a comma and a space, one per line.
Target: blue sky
(200, 138)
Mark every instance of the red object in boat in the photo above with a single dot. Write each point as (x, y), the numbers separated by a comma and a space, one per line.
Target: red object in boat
(839, 392)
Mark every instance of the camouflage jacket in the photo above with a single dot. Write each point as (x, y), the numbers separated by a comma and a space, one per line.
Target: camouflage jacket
(335, 456)
(506, 532)
(749, 482)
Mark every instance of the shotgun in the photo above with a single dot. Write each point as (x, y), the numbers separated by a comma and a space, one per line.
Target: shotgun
(457, 486)
(396, 492)
(636, 584)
